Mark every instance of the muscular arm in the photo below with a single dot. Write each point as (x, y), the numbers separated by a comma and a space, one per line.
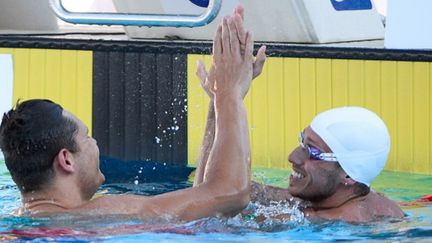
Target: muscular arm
(225, 189)
(226, 185)
(208, 78)
(206, 145)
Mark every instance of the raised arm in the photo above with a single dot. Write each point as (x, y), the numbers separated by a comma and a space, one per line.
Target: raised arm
(206, 78)
(226, 185)
(206, 144)
(225, 189)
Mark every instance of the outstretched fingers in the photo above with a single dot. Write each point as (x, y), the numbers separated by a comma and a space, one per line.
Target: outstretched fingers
(238, 19)
(249, 46)
(207, 79)
(211, 81)
(241, 32)
(201, 72)
(226, 45)
(234, 39)
(217, 43)
(259, 61)
(239, 10)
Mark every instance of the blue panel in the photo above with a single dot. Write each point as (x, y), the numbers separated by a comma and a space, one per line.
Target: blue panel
(201, 3)
(343, 5)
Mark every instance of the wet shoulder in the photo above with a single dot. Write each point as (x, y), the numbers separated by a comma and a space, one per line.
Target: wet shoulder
(119, 205)
(364, 209)
(382, 206)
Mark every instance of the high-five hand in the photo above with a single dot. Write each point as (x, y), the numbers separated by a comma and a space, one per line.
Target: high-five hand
(207, 78)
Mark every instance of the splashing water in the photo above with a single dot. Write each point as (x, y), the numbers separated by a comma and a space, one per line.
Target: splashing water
(272, 217)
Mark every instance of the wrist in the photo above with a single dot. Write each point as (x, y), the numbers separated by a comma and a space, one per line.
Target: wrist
(228, 98)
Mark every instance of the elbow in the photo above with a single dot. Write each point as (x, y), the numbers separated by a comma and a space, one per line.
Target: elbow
(242, 200)
(238, 198)
(244, 196)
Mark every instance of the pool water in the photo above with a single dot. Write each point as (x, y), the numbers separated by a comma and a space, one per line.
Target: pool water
(401, 187)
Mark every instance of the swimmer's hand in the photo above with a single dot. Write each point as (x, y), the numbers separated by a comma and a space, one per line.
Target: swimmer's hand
(207, 78)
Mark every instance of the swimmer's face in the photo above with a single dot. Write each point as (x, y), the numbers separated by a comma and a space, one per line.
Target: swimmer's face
(313, 179)
(87, 158)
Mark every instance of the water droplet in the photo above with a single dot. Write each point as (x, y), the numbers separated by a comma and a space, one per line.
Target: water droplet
(136, 182)
(157, 139)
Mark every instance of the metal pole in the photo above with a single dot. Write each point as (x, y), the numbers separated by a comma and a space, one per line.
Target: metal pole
(165, 20)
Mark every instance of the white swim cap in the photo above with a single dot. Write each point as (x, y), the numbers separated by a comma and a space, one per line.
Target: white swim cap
(359, 139)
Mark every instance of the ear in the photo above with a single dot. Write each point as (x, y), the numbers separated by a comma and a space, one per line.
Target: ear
(65, 161)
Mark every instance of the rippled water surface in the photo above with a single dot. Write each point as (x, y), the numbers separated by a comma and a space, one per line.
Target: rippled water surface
(417, 226)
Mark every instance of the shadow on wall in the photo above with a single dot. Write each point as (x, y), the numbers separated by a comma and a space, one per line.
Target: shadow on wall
(138, 171)
(29, 15)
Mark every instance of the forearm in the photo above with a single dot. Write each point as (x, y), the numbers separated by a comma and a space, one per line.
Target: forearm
(225, 187)
(228, 169)
(206, 145)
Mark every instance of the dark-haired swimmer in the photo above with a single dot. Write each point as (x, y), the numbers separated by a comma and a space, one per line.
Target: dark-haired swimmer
(55, 163)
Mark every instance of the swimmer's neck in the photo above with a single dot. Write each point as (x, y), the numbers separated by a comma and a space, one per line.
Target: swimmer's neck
(40, 206)
(337, 200)
(54, 199)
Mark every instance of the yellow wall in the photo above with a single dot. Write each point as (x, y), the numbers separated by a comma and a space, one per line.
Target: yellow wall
(64, 76)
(291, 91)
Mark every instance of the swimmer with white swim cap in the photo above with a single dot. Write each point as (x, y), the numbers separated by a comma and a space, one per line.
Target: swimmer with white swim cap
(338, 157)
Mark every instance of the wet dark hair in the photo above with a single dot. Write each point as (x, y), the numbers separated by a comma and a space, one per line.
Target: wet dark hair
(31, 136)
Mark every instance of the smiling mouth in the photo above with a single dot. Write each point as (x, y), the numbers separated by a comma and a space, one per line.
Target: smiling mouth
(297, 175)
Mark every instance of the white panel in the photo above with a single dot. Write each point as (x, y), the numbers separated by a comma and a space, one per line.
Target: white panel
(305, 21)
(6, 85)
(345, 24)
(409, 24)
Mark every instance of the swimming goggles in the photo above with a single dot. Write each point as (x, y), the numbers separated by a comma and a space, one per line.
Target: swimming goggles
(315, 153)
